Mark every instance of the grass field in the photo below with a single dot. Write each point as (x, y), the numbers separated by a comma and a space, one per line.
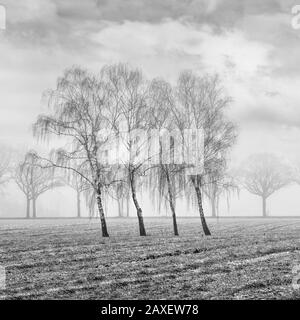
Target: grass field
(56, 259)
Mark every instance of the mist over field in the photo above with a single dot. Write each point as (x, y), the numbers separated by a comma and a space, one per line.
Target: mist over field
(60, 203)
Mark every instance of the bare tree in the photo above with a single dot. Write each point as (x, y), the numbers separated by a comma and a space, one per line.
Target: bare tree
(23, 178)
(120, 193)
(201, 104)
(217, 183)
(167, 177)
(264, 174)
(79, 185)
(213, 192)
(33, 181)
(79, 104)
(128, 90)
(5, 162)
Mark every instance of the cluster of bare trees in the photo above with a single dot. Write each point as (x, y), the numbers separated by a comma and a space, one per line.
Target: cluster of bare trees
(91, 112)
(33, 181)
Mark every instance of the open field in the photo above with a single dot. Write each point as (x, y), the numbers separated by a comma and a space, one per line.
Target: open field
(244, 259)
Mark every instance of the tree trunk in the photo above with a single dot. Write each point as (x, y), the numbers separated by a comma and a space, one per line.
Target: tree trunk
(92, 210)
(200, 207)
(34, 208)
(28, 209)
(264, 206)
(171, 202)
(101, 214)
(213, 207)
(78, 205)
(120, 208)
(137, 206)
(127, 206)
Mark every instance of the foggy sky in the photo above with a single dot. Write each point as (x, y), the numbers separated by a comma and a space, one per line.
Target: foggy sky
(250, 43)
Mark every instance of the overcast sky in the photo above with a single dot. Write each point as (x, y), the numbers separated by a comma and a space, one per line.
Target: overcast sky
(250, 43)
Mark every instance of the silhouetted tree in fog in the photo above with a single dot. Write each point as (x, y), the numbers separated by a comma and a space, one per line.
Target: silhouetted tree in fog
(5, 161)
(79, 185)
(33, 180)
(218, 183)
(120, 193)
(23, 178)
(264, 174)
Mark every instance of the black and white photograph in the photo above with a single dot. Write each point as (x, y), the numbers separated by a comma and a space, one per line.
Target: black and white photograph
(149, 150)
